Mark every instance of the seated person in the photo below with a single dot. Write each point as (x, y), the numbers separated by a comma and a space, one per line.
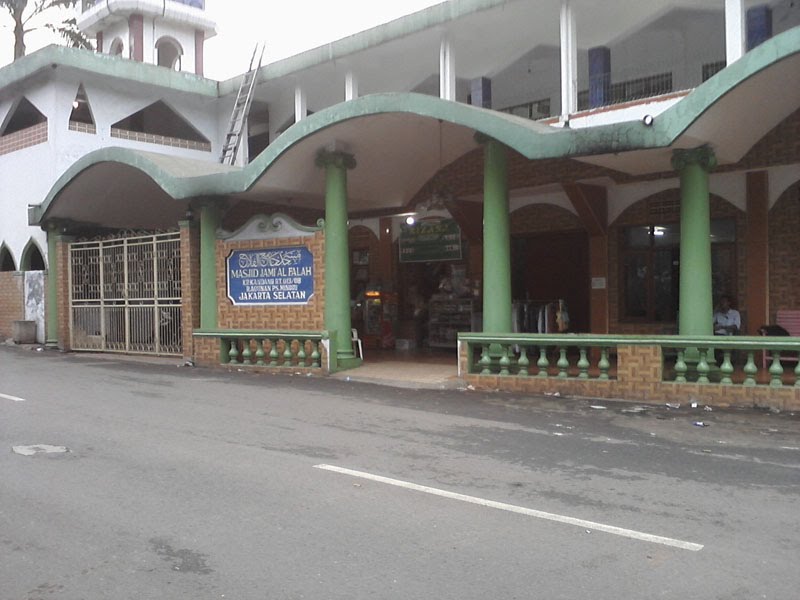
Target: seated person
(773, 330)
(727, 320)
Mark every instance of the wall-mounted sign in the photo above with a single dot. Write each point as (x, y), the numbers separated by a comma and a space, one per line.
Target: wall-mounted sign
(427, 241)
(271, 276)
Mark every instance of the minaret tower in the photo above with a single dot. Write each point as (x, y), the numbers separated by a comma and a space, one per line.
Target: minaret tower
(169, 33)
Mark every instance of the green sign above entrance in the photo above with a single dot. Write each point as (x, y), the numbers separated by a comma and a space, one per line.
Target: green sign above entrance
(430, 240)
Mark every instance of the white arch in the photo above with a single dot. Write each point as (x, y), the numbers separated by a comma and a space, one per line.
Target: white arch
(117, 47)
(5, 250)
(169, 53)
(780, 180)
(25, 261)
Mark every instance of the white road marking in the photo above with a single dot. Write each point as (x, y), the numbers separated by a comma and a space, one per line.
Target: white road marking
(39, 449)
(12, 398)
(628, 533)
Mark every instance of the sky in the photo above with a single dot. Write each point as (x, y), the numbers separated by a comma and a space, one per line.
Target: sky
(287, 28)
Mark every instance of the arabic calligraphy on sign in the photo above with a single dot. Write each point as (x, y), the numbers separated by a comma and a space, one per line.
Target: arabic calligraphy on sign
(273, 276)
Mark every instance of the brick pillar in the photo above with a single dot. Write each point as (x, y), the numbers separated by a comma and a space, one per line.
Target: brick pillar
(591, 204)
(51, 299)
(757, 257)
(190, 285)
(62, 285)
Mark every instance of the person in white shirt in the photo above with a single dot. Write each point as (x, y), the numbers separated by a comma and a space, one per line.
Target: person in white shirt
(727, 320)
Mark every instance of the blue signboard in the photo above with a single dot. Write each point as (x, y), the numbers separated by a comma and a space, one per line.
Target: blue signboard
(271, 276)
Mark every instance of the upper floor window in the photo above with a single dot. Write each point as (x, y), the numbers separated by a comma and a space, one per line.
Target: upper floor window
(169, 53)
(159, 123)
(117, 47)
(23, 116)
(6, 260)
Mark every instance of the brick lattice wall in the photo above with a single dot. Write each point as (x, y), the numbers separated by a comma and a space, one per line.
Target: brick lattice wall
(190, 285)
(543, 218)
(162, 140)
(12, 301)
(37, 134)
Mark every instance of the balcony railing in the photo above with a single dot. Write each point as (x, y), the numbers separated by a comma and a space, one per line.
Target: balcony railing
(201, 4)
(603, 92)
(634, 84)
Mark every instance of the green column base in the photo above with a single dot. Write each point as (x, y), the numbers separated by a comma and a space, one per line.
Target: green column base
(345, 363)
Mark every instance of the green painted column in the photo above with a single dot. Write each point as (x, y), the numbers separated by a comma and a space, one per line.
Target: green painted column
(51, 306)
(695, 303)
(337, 253)
(496, 240)
(209, 223)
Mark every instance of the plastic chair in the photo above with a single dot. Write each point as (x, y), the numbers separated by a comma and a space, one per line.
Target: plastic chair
(358, 349)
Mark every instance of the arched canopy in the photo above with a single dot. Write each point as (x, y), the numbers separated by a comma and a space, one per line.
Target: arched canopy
(401, 140)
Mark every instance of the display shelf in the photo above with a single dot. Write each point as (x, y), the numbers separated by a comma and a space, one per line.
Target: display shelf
(447, 317)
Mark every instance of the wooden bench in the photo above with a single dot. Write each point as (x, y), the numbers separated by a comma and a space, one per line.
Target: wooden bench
(790, 321)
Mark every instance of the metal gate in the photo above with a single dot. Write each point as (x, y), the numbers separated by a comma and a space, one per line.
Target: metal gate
(125, 295)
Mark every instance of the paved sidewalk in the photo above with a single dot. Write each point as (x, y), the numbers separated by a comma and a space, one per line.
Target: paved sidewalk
(405, 374)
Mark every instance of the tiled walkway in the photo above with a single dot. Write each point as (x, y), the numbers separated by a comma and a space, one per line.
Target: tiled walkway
(419, 370)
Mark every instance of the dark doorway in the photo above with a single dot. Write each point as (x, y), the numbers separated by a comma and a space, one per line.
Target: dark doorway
(551, 267)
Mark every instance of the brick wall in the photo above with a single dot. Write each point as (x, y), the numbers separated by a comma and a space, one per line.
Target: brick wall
(784, 263)
(639, 379)
(161, 140)
(543, 218)
(781, 146)
(23, 138)
(308, 317)
(464, 177)
(12, 301)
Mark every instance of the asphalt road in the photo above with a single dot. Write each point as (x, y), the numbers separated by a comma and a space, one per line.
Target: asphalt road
(187, 483)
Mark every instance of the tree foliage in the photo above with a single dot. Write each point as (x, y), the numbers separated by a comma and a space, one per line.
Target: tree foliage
(24, 14)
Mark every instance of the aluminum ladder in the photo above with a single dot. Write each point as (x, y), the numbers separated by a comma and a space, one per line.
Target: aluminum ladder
(241, 109)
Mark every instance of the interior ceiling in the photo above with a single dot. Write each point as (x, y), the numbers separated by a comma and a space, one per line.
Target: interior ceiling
(396, 155)
(117, 196)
